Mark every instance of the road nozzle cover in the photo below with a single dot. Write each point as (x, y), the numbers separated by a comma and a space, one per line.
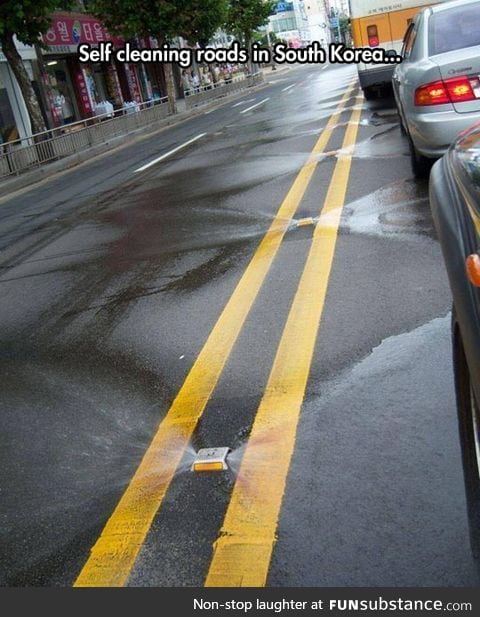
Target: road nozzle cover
(211, 459)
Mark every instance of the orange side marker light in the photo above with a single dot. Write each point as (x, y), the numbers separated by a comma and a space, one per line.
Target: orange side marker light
(473, 269)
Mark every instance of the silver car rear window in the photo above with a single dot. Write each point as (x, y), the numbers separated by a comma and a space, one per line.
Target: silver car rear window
(454, 28)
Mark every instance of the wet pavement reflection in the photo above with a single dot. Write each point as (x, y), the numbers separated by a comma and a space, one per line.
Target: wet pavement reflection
(112, 284)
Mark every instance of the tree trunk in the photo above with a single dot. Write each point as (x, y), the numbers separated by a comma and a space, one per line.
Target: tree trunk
(248, 46)
(169, 80)
(16, 64)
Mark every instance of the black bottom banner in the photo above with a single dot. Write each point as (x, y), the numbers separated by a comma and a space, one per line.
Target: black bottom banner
(247, 601)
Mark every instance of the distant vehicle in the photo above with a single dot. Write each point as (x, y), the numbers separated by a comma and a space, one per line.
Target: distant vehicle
(437, 86)
(376, 23)
(455, 203)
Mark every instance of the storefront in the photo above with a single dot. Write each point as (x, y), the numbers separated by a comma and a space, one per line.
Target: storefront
(61, 92)
(67, 89)
(151, 76)
(8, 124)
(129, 81)
(14, 119)
(74, 90)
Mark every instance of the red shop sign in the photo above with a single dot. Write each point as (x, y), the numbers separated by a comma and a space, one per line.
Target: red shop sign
(133, 82)
(84, 98)
(76, 30)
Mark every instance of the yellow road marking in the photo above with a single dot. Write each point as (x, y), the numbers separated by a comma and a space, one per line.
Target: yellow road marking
(113, 555)
(243, 550)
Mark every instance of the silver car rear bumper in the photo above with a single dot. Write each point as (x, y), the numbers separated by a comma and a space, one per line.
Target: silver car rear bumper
(432, 133)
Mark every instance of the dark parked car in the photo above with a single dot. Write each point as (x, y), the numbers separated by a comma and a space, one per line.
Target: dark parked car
(455, 202)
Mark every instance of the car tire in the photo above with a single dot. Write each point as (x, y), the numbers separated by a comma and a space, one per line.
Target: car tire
(403, 130)
(369, 94)
(469, 427)
(421, 165)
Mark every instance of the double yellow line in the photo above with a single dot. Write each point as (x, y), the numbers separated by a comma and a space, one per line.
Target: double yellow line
(243, 551)
(113, 555)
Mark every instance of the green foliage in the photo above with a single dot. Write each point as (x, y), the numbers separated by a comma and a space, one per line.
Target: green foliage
(195, 20)
(262, 39)
(245, 16)
(201, 19)
(131, 18)
(345, 24)
(28, 18)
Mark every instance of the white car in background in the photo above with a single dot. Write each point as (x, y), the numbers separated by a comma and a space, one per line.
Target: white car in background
(437, 86)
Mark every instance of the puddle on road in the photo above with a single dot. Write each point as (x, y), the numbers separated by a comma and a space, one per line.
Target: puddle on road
(152, 231)
(378, 146)
(381, 146)
(381, 117)
(394, 353)
(158, 260)
(123, 425)
(395, 210)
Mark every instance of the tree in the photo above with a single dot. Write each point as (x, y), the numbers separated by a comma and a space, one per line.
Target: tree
(194, 20)
(27, 20)
(245, 16)
(345, 28)
(262, 39)
(201, 19)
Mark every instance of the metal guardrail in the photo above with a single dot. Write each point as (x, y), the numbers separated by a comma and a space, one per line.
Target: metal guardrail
(58, 143)
(202, 94)
(41, 148)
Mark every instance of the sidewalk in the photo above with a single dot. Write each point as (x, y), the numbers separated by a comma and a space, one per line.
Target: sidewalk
(11, 184)
(279, 68)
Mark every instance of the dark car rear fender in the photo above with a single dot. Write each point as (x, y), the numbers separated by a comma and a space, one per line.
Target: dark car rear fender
(454, 228)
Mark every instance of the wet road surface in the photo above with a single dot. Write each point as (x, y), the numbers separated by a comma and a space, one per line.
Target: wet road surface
(208, 300)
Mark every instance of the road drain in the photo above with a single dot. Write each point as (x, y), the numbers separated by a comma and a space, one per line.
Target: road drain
(211, 459)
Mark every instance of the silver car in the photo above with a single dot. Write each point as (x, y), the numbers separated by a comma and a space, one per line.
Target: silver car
(437, 86)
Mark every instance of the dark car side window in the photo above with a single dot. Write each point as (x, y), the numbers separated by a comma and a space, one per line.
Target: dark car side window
(406, 39)
(409, 41)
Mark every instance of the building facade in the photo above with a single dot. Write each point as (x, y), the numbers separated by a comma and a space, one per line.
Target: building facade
(14, 119)
(74, 90)
(300, 22)
(317, 16)
(68, 90)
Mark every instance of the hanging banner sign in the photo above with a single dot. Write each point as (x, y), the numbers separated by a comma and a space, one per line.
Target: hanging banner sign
(66, 33)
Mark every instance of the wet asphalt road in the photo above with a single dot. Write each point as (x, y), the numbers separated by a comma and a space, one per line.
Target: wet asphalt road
(110, 283)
